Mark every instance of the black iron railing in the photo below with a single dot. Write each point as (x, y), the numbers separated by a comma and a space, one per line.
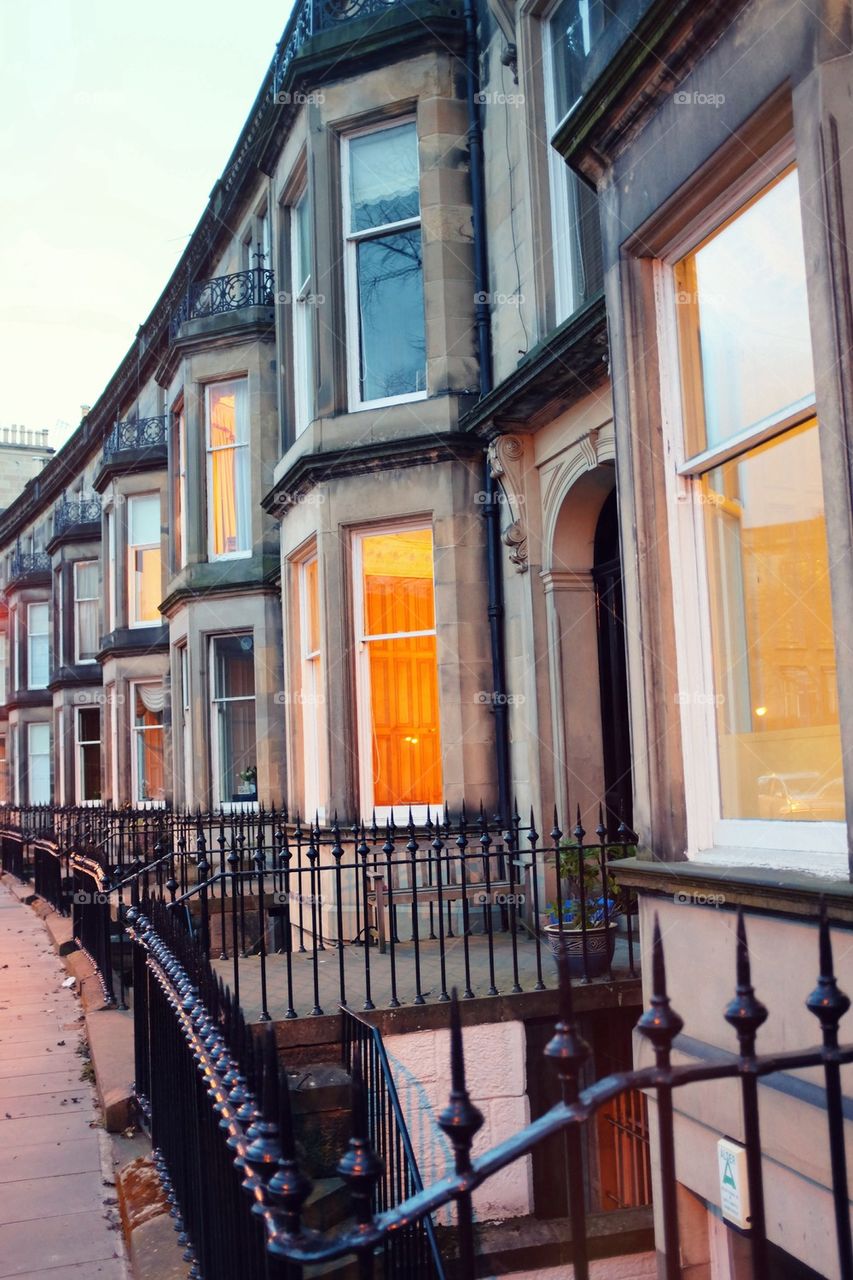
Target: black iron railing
(136, 433)
(254, 287)
(23, 563)
(309, 18)
(71, 512)
(413, 1250)
(224, 1119)
(301, 920)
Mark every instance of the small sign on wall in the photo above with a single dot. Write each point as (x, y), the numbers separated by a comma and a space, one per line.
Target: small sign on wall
(734, 1186)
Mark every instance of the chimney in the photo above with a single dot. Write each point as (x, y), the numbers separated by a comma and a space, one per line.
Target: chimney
(84, 409)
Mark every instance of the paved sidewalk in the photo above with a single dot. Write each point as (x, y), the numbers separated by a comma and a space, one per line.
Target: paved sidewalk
(54, 1219)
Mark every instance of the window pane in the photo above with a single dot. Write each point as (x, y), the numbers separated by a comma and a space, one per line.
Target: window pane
(777, 706)
(398, 582)
(87, 630)
(391, 315)
(90, 771)
(301, 246)
(144, 520)
(39, 763)
(230, 501)
(228, 424)
(573, 30)
(747, 287)
(312, 608)
(150, 763)
(86, 580)
(38, 619)
(145, 567)
(383, 177)
(234, 667)
(89, 725)
(237, 751)
(404, 710)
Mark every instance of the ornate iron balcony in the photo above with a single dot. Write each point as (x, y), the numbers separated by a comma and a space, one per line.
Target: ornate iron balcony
(252, 288)
(311, 17)
(137, 433)
(26, 562)
(73, 511)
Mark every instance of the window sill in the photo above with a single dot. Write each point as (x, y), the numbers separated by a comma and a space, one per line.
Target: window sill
(777, 890)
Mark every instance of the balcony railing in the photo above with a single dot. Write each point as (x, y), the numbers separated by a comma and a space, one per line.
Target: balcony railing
(311, 17)
(71, 512)
(252, 288)
(137, 433)
(24, 563)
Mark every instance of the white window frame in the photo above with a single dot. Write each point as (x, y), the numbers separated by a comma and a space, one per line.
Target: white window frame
(78, 601)
(558, 177)
(60, 618)
(214, 556)
(112, 576)
(179, 420)
(219, 801)
(364, 717)
(79, 743)
(60, 755)
(132, 602)
(314, 760)
(134, 729)
(351, 242)
(813, 846)
(302, 322)
(4, 670)
(15, 633)
(31, 755)
(16, 762)
(111, 734)
(39, 635)
(186, 721)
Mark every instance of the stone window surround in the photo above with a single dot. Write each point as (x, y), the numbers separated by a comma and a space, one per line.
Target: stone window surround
(722, 185)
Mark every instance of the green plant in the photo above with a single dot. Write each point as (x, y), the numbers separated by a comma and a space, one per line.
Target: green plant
(586, 897)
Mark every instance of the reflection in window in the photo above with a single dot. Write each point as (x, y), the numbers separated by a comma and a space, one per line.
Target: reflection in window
(779, 740)
(383, 231)
(143, 559)
(399, 676)
(303, 306)
(88, 755)
(235, 745)
(229, 498)
(149, 774)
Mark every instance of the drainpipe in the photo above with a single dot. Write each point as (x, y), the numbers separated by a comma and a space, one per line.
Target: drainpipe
(491, 508)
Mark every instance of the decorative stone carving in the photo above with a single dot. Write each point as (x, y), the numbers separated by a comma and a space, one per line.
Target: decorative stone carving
(506, 463)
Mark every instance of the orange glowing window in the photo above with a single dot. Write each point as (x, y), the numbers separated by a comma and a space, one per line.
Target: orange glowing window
(143, 554)
(399, 694)
(229, 497)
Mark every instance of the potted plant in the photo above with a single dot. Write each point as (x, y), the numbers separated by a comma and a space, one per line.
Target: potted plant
(584, 921)
(248, 788)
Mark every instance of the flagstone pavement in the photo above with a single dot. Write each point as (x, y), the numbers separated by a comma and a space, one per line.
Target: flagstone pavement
(57, 1220)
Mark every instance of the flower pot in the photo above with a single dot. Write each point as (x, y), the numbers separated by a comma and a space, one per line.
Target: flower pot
(600, 943)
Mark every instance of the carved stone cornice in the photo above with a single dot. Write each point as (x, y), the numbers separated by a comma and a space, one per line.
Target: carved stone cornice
(506, 463)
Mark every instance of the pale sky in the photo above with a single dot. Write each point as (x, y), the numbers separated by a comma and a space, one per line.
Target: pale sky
(116, 119)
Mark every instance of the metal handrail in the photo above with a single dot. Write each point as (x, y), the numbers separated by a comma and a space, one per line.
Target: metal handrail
(136, 433)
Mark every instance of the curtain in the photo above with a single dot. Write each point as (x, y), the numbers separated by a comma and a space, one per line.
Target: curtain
(230, 480)
(152, 697)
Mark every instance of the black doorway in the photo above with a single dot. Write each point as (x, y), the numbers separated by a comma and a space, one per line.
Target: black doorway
(612, 670)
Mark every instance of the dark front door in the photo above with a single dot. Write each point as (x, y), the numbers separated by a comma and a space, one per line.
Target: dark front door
(612, 671)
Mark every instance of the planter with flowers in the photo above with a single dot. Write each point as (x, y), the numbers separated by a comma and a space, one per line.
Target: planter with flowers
(584, 922)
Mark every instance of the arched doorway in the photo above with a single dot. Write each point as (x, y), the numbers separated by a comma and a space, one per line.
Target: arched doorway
(612, 670)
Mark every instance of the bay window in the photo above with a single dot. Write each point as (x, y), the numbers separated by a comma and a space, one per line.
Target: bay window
(86, 611)
(148, 780)
(312, 699)
(38, 646)
(302, 300)
(570, 31)
(752, 466)
(143, 560)
(38, 763)
(88, 755)
(386, 339)
(179, 489)
(234, 743)
(397, 673)
(229, 522)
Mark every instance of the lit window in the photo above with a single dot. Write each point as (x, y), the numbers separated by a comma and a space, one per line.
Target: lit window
(38, 646)
(86, 611)
(385, 291)
(569, 33)
(88, 755)
(149, 772)
(312, 700)
(749, 391)
(38, 763)
(228, 479)
(302, 313)
(144, 587)
(235, 769)
(398, 672)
